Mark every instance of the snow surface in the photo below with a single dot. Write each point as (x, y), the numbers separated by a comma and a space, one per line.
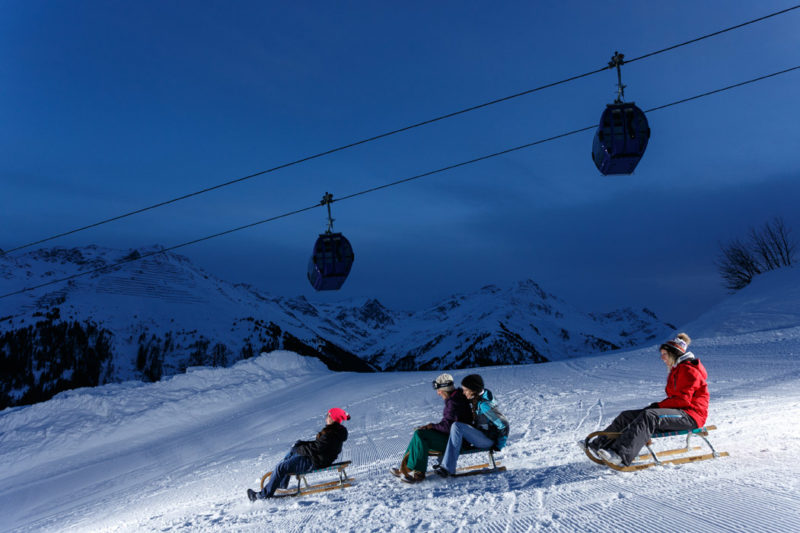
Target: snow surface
(177, 455)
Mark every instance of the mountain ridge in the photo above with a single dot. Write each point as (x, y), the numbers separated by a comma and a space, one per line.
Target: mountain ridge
(161, 314)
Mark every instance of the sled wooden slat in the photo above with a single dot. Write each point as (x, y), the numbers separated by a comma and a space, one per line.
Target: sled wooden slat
(313, 489)
(484, 468)
(676, 451)
(697, 431)
(477, 469)
(682, 460)
(701, 432)
(343, 481)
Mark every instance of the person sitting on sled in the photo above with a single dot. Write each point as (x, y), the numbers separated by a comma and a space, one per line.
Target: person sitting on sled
(434, 436)
(685, 407)
(307, 455)
(490, 429)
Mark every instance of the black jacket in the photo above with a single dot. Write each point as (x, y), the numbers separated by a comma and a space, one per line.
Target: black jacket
(326, 448)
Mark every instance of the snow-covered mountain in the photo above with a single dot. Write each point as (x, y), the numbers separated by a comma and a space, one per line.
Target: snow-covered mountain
(161, 314)
(178, 455)
(519, 324)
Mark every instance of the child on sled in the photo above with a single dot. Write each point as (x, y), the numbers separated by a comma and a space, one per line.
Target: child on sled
(306, 456)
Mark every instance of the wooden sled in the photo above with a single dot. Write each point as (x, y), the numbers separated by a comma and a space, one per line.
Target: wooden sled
(304, 488)
(485, 468)
(656, 456)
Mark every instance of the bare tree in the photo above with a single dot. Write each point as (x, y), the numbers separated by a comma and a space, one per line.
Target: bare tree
(737, 265)
(768, 248)
(773, 245)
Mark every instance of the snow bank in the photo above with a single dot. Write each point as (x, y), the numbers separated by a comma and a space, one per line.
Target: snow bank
(94, 416)
(771, 301)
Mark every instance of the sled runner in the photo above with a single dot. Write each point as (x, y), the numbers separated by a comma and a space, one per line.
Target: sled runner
(303, 487)
(654, 458)
(485, 468)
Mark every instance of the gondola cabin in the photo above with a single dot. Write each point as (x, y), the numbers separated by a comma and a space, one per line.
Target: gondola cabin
(330, 262)
(621, 139)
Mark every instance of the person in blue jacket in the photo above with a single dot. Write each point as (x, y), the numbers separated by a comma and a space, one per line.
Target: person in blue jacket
(489, 429)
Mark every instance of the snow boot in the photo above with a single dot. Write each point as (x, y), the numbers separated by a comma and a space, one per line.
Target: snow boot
(594, 444)
(610, 456)
(252, 495)
(413, 477)
(442, 471)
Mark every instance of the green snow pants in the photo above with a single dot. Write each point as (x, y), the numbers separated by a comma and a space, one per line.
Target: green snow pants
(423, 441)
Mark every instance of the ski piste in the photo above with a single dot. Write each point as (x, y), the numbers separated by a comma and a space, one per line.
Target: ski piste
(653, 456)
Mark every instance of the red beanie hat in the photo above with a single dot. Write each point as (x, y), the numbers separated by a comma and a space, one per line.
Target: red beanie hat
(338, 415)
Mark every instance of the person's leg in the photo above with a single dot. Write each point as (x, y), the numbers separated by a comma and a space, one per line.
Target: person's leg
(284, 483)
(623, 420)
(618, 425)
(422, 441)
(460, 432)
(278, 479)
(649, 421)
(673, 420)
(292, 464)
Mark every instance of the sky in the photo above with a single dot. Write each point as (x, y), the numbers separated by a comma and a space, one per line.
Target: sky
(108, 107)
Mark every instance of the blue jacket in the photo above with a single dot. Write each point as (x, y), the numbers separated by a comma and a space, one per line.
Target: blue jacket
(490, 420)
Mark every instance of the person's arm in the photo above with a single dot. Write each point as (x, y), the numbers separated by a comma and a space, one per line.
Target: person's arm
(494, 419)
(310, 447)
(448, 417)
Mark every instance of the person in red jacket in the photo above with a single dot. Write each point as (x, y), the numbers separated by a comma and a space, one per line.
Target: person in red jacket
(685, 407)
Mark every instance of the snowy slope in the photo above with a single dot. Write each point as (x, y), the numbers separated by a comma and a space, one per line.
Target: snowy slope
(771, 301)
(178, 455)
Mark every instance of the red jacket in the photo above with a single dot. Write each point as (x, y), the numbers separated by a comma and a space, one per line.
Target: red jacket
(687, 390)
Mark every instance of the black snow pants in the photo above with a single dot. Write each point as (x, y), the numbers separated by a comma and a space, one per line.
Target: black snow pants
(637, 425)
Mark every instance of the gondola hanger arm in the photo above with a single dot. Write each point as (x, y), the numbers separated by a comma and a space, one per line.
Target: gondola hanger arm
(327, 200)
(617, 60)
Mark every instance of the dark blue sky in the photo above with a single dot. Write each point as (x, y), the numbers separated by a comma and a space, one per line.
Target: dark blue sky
(111, 106)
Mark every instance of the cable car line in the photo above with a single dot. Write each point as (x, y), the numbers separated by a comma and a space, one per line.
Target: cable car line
(163, 250)
(387, 134)
(721, 90)
(380, 187)
(720, 32)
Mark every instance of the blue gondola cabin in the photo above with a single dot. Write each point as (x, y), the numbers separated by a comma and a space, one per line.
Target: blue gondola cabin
(330, 262)
(621, 139)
